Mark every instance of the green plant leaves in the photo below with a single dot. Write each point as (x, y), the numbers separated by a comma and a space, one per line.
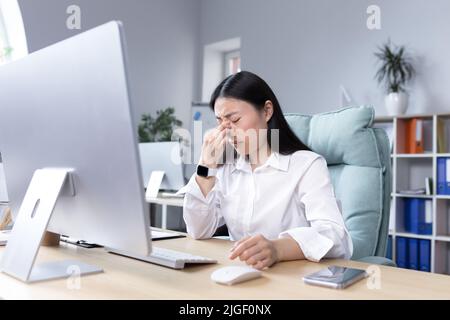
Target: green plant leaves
(396, 67)
(160, 128)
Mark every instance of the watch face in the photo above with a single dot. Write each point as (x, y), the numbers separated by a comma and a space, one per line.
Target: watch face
(202, 171)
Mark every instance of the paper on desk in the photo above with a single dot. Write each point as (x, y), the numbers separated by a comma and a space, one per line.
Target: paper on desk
(156, 234)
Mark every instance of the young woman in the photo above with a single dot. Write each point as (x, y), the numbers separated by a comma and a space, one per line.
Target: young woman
(275, 196)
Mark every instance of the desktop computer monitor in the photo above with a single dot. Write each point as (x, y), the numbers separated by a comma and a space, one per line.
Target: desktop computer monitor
(68, 106)
(166, 157)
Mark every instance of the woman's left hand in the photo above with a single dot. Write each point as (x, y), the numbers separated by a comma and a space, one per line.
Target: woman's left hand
(256, 251)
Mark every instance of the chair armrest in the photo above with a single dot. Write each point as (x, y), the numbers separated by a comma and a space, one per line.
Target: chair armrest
(378, 260)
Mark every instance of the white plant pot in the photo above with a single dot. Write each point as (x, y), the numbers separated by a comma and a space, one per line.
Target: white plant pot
(396, 103)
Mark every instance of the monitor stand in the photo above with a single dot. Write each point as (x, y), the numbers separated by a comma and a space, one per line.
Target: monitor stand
(30, 226)
(154, 184)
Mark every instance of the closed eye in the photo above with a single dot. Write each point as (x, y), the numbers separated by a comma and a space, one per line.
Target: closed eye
(219, 120)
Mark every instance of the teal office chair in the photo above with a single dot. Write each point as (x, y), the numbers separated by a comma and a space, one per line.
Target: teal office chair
(358, 158)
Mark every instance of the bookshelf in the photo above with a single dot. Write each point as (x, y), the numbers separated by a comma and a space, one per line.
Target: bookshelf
(409, 171)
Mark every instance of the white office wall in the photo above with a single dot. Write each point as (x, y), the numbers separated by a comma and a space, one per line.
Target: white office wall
(162, 37)
(306, 48)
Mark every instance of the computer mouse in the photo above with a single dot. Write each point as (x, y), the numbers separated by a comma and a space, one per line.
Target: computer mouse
(235, 274)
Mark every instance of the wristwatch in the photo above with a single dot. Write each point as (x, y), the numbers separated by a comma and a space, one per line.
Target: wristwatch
(205, 172)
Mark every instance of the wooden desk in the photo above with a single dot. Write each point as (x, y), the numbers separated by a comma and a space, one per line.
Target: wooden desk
(125, 278)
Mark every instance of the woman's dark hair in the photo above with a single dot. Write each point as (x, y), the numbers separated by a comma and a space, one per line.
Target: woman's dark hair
(248, 87)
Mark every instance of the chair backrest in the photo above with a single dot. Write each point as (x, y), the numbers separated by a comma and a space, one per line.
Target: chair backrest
(358, 158)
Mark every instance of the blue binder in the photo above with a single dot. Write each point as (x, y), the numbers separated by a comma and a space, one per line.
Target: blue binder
(415, 221)
(416, 210)
(424, 226)
(402, 252)
(424, 255)
(447, 178)
(407, 214)
(442, 185)
(413, 248)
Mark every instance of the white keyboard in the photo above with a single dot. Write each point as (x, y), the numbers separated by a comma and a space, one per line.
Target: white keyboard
(168, 258)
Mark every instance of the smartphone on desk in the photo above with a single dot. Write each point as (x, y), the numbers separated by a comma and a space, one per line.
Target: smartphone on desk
(335, 277)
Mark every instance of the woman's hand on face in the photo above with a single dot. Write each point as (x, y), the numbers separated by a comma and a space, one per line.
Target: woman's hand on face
(214, 147)
(256, 251)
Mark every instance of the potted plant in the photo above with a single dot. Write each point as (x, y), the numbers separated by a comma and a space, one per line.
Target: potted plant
(160, 128)
(395, 71)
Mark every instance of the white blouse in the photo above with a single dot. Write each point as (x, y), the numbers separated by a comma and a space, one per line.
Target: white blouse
(289, 195)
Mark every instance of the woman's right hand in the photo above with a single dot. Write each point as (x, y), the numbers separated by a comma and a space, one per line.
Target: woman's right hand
(214, 147)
